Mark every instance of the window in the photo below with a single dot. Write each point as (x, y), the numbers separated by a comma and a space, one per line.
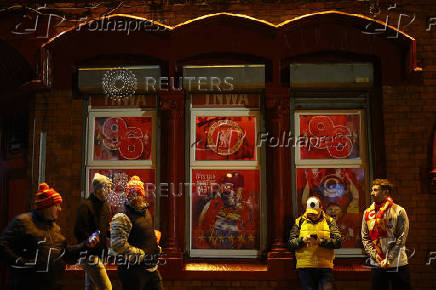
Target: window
(331, 157)
(225, 203)
(121, 135)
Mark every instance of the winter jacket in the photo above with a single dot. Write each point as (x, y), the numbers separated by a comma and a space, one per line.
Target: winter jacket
(92, 215)
(394, 244)
(133, 237)
(319, 256)
(35, 251)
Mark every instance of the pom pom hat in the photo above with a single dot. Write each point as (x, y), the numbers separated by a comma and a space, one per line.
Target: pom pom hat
(134, 188)
(46, 197)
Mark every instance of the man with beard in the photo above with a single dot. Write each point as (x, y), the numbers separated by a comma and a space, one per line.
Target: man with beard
(133, 238)
(94, 215)
(384, 232)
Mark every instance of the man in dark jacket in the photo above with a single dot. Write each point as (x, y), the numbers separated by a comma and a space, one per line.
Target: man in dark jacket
(33, 246)
(94, 215)
(133, 238)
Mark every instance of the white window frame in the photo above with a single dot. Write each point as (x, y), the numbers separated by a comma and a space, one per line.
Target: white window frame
(335, 163)
(223, 165)
(119, 113)
(118, 164)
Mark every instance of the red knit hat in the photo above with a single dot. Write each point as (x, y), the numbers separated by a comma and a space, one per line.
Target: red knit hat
(134, 188)
(46, 197)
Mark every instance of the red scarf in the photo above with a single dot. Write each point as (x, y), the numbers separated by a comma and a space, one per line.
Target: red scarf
(374, 218)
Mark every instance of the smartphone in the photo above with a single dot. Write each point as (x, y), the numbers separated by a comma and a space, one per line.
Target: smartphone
(315, 236)
(93, 236)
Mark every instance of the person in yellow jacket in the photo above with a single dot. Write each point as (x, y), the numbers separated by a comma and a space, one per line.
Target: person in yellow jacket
(313, 237)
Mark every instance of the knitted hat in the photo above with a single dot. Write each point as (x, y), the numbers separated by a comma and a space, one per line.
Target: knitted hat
(100, 181)
(134, 188)
(46, 197)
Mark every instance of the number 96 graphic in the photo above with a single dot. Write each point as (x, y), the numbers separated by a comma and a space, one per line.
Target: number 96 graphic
(335, 138)
(129, 141)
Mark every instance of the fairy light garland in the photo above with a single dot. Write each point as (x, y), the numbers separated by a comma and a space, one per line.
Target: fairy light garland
(119, 83)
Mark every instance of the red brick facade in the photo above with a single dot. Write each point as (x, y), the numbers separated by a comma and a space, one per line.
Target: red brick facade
(408, 105)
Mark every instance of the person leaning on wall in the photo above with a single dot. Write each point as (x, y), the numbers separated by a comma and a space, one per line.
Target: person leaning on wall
(34, 248)
(313, 237)
(385, 227)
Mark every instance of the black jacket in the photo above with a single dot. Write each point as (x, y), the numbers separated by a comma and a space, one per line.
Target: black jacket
(92, 215)
(133, 235)
(36, 252)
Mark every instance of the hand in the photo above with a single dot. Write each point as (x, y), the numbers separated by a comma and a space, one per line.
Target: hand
(385, 264)
(310, 241)
(158, 235)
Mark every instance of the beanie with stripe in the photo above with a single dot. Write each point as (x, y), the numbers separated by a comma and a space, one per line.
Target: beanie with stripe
(46, 197)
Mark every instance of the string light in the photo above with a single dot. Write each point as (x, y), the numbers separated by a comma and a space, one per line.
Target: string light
(116, 198)
(119, 83)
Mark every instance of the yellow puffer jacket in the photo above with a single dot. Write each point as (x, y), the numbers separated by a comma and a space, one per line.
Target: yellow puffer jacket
(314, 256)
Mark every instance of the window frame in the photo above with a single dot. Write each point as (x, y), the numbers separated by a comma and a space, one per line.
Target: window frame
(349, 99)
(153, 164)
(257, 164)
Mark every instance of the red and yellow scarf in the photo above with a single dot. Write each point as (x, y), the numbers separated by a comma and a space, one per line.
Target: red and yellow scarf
(374, 218)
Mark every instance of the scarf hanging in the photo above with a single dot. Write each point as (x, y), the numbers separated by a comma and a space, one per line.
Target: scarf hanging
(377, 224)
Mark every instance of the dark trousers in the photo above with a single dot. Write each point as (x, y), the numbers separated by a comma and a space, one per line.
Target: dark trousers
(316, 278)
(137, 278)
(399, 277)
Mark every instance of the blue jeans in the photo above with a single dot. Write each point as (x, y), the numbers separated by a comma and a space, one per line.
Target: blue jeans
(316, 278)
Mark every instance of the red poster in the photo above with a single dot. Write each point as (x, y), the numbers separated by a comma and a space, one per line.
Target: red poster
(340, 191)
(126, 138)
(120, 177)
(225, 209)
(330, 136)
(225, 138)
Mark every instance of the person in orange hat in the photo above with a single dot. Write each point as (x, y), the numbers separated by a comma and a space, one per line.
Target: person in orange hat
(133, 237)
(33, 246)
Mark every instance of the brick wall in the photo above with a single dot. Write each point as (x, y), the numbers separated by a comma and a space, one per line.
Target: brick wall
(409, 118)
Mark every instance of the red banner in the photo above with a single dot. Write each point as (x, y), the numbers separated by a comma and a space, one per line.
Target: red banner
(126, 138)
(340, 191)
(330, 136)
(225, 138)
(225, 209)
(120, 177)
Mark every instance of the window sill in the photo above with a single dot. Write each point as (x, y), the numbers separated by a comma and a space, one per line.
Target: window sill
(345, 269)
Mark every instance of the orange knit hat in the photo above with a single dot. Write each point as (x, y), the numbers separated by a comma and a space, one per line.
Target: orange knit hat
(46, 197)
(135, 187)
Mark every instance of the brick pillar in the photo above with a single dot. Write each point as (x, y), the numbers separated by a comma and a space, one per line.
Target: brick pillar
(173, 103)
(279, 193)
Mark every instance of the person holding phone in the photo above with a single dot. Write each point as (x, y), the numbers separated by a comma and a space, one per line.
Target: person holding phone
(93, 218)
(313, 237)
(34, 248)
